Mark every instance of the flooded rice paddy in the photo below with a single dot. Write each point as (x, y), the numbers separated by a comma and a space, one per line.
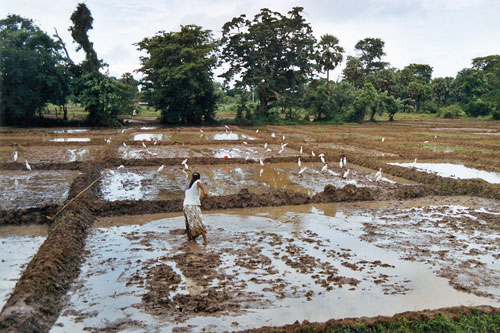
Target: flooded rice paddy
(456, 171)
(312, 262)
(427, 248)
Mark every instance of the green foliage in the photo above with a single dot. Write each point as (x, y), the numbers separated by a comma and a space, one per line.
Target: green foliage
(102, 98)
(32, 72)
(272, 54)
(244, 114)
(354, 71)
(178, 74)
(372, 51)
(478, 108)
(495, 115)
(365, 101)
(329, 55)
(82, 23)
(475, 322)
(451, 112)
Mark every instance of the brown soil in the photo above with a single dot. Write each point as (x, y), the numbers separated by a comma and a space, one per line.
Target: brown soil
(37, 298)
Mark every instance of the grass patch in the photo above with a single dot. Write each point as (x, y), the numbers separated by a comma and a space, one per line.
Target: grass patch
(477, 322)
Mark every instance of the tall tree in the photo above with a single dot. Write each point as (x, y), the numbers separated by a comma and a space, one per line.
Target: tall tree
(329, 55)
(82, 22)
(178, 74)
(372, 51)
(421, 72)
(353, 71)
(272, 54)
(31, 69)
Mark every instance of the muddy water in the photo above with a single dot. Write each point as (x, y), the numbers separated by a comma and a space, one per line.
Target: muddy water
(25, 189)
(271, 266)
(70, 140)
(147, 184)
(456, 171)
(17, 246)
(49, 154)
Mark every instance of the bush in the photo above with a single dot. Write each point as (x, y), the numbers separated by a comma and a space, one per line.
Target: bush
(451, 112)
(495, 115)
(478, 108)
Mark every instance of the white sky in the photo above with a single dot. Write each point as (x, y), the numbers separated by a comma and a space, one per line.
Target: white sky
(445, 34)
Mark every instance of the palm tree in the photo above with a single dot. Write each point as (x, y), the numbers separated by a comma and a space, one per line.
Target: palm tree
(329, 55)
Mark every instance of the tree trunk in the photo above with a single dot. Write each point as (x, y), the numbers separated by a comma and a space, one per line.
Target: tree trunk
(65, 109)
(328, 80)
(262, 105)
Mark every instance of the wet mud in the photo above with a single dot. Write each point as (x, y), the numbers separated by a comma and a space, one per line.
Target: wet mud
(38, 296)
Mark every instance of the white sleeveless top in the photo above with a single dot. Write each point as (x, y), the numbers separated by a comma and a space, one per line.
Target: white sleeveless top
(193, 195)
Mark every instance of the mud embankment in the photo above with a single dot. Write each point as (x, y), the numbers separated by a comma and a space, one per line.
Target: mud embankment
(371, 323)
(36, 300)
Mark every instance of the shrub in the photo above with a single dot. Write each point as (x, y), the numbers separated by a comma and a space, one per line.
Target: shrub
(451, 112)
(495, 115)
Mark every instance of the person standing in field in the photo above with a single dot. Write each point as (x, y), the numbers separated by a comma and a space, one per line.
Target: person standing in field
(192, 211)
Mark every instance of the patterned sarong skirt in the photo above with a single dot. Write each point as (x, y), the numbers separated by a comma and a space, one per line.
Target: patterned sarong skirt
(194, 225)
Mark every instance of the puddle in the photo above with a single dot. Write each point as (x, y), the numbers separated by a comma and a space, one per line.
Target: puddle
(20, 189)
(143, 183)
(456, 171)
(148, 137)
(75, 130)
(267, 266)
(17, 246)
(229, 136)
(70, 140)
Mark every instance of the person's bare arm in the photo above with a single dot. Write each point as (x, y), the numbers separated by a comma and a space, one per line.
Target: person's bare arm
(204, 192)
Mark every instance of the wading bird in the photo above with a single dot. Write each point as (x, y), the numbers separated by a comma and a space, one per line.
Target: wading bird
(283, 138)
(14, 157)
(324, 168)
(345, 161)
(144, 145)
(186, 166)
(121, 167)
(414, 163)
(261, 172)
(108, 141)
(322, 159)
(301, 149)
(260, 161)
(273, 135)
(299, 163)
(184, 161)
(265, 145)
(256, 131)
(312, 153)
(341, 164)
(332, 173)
(302, 170)
(124, 145)
(346, 173)
(27, 165)
(383, 139)
(378, 174)
(160, 169)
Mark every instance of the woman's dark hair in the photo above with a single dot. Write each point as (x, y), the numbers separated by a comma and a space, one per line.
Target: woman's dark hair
(194, 177)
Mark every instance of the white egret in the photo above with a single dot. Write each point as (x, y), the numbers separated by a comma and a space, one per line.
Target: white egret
(227, 127)
(121, 166)
(256, 131)
(312, 153)
(268, 149)
(14, 157)
(16, 183)
(283, 138)
(124, 145)
(302, 170)
(322, 159)
(108, 141)
(346, 173)
(341, 164)
(273, 135)
(332, 173)
(299, 162)
(28, 166)
(383, 139)
(281, 150)
(426, 142)
(144, 145)
(201, 131)
(345, 161)
(111, 172)
(160, 169)
(265, 145)
(186, 166)
(379, 173)
(414, 163)
(261, 172)
(184, 161)
(301, 149)
(245, 143)
(123, 130)
(435, 136)
(155, 142)
(260, 161)
(324, 168)
(378, 178)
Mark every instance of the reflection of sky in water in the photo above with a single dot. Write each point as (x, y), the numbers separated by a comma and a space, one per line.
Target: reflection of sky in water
(77, 154)
(15, 253)
(148, 137)
(110, 264)
(148, 127)
(456, 171)
(70, 140)
(76, 130)
(231, 136)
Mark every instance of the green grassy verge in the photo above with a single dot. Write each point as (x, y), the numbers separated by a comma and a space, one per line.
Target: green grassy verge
(477, 322)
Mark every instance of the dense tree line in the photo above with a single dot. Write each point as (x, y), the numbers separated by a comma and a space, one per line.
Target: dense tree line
(273, 67)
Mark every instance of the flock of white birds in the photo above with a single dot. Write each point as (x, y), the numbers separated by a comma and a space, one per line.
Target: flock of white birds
(342, 163)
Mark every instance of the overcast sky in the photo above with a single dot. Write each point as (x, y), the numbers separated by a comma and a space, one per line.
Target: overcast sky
(446, 34)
